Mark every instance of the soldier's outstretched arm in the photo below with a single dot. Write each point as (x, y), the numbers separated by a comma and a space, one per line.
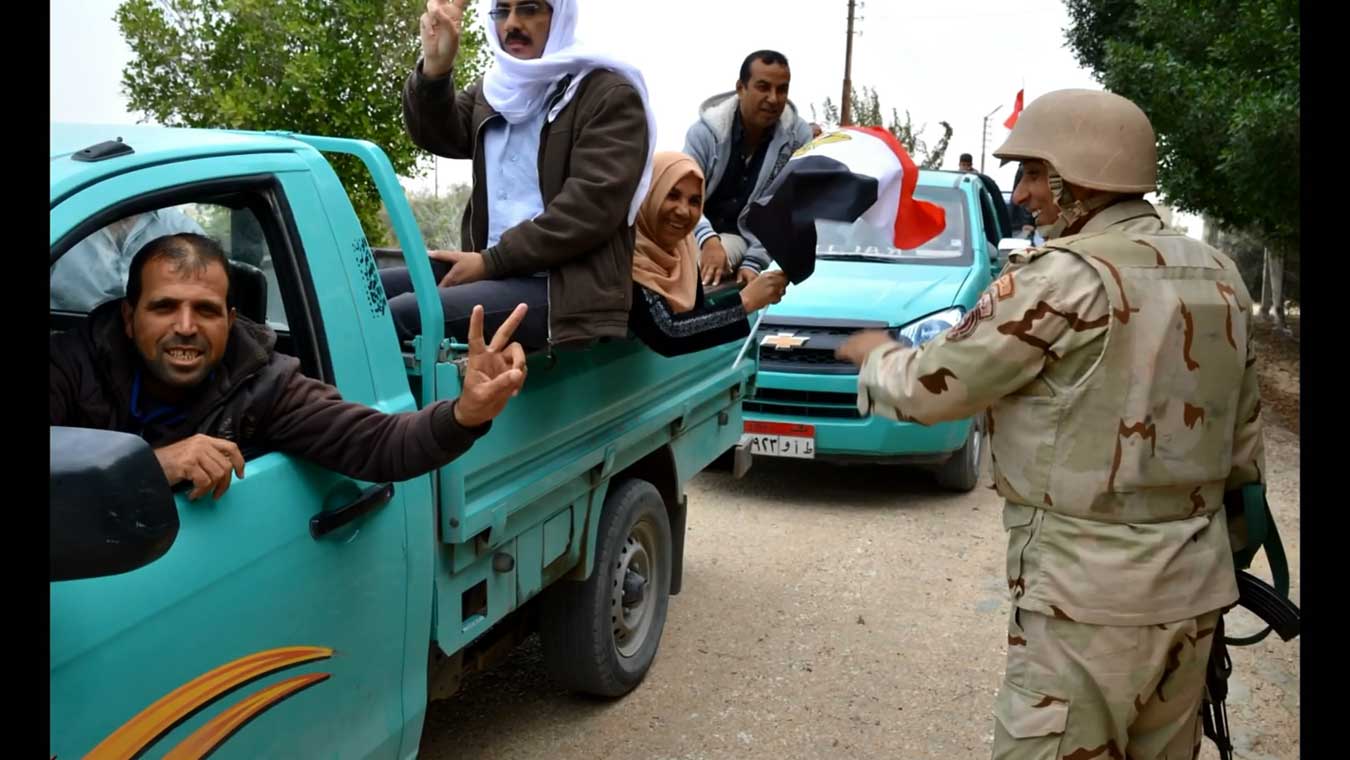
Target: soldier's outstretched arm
(1045, 305)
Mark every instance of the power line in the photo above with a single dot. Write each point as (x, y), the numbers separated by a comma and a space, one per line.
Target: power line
(984, 139)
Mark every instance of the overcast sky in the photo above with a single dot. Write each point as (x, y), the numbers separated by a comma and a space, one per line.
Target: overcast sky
(956, 60)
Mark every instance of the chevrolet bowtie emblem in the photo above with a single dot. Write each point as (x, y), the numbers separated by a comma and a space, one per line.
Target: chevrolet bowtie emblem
(784, 341)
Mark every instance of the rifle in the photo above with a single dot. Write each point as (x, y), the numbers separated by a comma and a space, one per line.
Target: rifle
(1268, 602)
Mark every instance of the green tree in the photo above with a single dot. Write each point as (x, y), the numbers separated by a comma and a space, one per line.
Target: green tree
(214, 220)
(1220, 82)
(438, 216)
(331, 68)
(911, 138)
(866, 112)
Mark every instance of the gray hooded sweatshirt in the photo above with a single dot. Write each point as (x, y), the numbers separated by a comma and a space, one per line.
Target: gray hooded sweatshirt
(708, 142)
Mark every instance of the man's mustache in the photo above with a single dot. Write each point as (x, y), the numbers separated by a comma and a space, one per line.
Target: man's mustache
(516, 36)
(194, 343)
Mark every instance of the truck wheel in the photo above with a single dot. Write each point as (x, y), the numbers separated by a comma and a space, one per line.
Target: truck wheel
(962, 471)
(600, 636)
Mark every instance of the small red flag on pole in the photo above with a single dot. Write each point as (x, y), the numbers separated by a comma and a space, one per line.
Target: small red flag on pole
(1017, 109)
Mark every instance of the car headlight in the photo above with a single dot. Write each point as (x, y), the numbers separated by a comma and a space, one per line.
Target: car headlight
(923, 330)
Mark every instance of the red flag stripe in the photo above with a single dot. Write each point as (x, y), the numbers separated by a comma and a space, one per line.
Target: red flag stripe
(1011, 121)
(916, 222)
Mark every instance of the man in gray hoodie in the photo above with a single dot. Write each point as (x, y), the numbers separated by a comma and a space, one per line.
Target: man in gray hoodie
(741, 141)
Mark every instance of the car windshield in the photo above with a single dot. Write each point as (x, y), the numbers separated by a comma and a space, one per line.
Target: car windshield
(860, 240)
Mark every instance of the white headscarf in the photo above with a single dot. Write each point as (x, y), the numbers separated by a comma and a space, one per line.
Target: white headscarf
(518, 88)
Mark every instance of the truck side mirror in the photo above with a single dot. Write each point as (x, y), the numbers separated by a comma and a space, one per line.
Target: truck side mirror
(111, 508)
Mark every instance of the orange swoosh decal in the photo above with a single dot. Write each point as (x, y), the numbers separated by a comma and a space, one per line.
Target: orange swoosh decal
(204, 740)
(159, 718)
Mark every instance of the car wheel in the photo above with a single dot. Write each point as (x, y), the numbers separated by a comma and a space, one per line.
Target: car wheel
(962, 472)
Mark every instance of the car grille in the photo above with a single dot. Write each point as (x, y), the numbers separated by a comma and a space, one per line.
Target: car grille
(803, 403)
(816, 355)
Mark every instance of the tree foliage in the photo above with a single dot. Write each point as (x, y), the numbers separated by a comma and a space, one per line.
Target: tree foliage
(438, 216)
(331, 68)
(1220, 82)
(866, 112)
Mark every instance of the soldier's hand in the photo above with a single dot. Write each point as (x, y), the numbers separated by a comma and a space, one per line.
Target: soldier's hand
(206, 461)
(745, 276)
(440, 36)
(494, 373)
(713, 261)
(859, 345)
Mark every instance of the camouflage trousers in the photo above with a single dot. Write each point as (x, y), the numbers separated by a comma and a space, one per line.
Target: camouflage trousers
(1075, 691)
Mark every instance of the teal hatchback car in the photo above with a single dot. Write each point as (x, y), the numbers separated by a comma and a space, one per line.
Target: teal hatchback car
(804, 402)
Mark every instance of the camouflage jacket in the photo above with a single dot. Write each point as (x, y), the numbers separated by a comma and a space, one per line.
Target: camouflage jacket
(1119, 382)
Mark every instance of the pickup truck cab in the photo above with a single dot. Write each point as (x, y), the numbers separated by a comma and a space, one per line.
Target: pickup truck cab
(805, 400)
(305, 614)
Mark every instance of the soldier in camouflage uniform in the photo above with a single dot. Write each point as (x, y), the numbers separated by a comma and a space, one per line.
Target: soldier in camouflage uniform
(1115, 364)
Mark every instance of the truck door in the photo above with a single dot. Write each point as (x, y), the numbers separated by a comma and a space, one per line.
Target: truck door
(262, 632)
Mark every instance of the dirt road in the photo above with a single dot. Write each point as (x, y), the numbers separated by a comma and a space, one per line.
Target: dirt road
(831, 612)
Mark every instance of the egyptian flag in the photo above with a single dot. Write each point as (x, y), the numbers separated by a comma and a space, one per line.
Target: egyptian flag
(841, 176)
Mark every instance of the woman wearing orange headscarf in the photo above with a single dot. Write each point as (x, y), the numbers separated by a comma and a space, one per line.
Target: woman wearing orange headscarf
(669, 313)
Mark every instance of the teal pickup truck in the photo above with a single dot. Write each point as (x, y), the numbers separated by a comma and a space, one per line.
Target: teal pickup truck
(304, 614)
(805, 400)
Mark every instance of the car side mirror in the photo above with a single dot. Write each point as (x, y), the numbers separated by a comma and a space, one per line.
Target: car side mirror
(111, 508)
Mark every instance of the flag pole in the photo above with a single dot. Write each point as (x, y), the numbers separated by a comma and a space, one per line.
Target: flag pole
(754, 330)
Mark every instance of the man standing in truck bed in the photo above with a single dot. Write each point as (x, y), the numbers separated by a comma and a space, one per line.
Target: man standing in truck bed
(561, 140)
(741, 141)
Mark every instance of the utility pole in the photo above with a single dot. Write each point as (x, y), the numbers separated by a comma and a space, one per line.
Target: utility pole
(984, 140)
(846, 107)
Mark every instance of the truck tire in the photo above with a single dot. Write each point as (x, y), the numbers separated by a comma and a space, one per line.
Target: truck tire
(600, 635)
(962, 472)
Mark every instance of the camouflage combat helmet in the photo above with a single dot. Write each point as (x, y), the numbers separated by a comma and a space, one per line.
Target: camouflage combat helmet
(1092, 138)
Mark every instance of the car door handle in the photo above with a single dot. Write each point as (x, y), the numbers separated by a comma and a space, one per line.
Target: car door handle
(370, 499)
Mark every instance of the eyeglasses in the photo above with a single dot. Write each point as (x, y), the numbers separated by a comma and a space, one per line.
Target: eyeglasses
(524, 10)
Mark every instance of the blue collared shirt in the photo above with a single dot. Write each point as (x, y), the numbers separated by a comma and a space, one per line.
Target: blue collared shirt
(512, 153)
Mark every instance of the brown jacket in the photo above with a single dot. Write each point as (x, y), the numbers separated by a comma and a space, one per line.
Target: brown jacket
(591, 158)
(256, 398)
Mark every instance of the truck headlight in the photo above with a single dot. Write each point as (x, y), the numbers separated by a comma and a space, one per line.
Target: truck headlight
(920, 331)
